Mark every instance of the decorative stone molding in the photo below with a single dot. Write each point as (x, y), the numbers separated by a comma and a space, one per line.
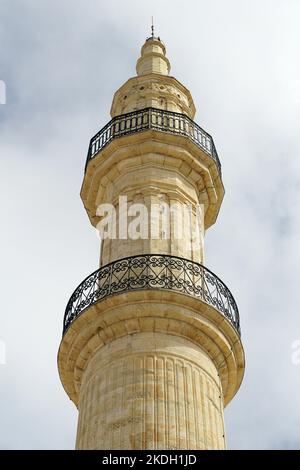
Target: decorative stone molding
(151, 311)
(152, 90)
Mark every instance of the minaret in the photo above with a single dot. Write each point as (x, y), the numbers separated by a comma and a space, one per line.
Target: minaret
(151, 350)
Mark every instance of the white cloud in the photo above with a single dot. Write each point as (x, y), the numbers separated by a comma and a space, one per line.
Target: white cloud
(61, 63)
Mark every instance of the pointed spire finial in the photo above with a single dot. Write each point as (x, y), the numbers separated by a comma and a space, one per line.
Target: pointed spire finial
(152, 27)
(153, 57)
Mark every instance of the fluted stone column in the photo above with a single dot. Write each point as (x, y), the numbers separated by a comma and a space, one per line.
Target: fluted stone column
(151, 391)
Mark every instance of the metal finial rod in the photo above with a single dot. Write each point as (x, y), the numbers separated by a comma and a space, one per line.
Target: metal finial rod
(152, 27)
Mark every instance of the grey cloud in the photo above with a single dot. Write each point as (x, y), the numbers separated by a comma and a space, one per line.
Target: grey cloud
(62, 62)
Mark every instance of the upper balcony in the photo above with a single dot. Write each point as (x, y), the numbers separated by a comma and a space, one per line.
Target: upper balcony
(153, 119)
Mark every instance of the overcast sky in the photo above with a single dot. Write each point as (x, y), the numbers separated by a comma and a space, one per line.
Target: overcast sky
(61, 62)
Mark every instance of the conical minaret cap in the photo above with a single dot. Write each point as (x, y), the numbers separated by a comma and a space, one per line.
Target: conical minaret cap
(153, 87)
(153, 58)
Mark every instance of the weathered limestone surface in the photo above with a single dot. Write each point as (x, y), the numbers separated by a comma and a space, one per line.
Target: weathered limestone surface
(150, 391)
(153, 87)
(151, 167)
(158, 331)
(152, 369)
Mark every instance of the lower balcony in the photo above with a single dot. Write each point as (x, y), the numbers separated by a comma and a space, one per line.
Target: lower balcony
(153, 272)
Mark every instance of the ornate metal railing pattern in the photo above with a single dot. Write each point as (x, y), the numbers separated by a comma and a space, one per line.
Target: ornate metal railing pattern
(155, 271)
(156, 119)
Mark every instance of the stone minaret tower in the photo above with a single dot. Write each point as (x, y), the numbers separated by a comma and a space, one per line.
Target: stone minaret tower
(151, 350)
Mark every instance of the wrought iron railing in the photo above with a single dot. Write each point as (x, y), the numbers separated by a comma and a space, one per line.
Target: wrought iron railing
(152, 272)
(156, 119)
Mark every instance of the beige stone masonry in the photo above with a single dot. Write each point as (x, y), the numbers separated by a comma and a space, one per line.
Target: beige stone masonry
(152, 369)
(161, 327)
(153, 87)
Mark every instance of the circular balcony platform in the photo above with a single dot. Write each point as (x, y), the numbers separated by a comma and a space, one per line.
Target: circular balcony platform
(148, 272)
(155, 119)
